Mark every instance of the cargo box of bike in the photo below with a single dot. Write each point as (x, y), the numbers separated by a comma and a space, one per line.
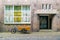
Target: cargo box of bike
(22, 29)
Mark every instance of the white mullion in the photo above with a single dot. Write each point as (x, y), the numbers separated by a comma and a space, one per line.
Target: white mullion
(22, 13)
(30, 13)
(29, 19)
(5, 14)
(44, 6)
(50, 6)
(47, 6)
(13, 13)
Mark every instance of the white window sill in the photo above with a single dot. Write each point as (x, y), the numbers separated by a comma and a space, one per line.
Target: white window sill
(19, 23)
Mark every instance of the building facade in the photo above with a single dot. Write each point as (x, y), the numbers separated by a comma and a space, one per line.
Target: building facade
(38, 14)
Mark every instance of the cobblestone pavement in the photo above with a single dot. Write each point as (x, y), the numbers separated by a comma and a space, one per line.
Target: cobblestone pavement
(32, 36)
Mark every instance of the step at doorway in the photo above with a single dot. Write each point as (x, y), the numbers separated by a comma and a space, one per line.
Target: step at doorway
(45, 30)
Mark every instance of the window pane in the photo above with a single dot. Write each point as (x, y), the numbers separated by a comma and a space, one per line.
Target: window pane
(17, 7)
(11, 19)
(28, 13)
(28, 7)
(25, 7)
(17, 13)
(17, 19)
(8, 13)
(6, 19)
(46, 6)
(42, 6)
(28, 19)
(25, 12)
(49, 6)
(24, 19)
(9, 7)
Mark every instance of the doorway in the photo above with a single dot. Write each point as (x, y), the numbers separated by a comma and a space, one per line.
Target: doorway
(43, 22)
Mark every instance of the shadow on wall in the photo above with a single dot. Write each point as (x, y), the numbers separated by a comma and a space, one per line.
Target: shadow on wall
(56, 23)
(1, 26)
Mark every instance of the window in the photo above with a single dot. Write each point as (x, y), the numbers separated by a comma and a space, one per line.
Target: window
(25, 13)
(17, 14)
(8, 14)
(46, 6)
(49, 6)
(42, 6)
